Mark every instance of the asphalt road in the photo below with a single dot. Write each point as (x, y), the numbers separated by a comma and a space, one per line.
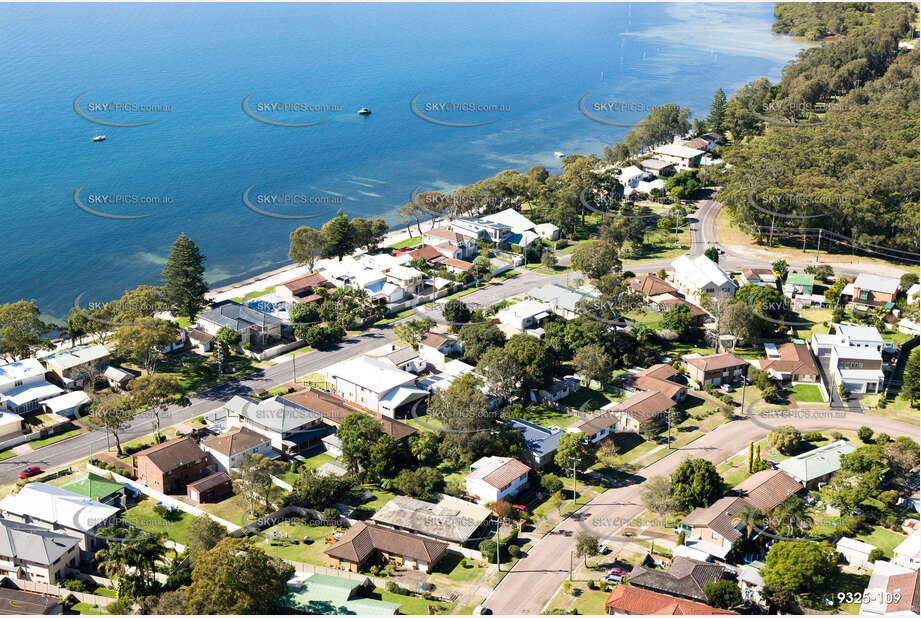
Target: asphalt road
(537, 577)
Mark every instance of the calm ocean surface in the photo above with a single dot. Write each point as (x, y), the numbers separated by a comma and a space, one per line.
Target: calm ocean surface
(199, 157)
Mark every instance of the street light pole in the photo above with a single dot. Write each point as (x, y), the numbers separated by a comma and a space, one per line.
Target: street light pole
(573, 480)
(743, 394)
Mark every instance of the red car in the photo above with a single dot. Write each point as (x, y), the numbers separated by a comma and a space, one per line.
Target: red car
(30, 471)
(616, 571)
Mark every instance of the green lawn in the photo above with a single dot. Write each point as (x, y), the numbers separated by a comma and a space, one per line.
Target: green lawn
(7, 454)
(631, 446)
(807, 393)
(36, 444)
(87, 609)
(311, 553)
(408, 605)
(233, 509)
(547, 417)
(449, 568)
(596, 399)
(819, 320)
(143, 516)
(660, 245)
(590, 602)
(407, 242)
(254, 294)
(196, 372)
(317, 460)
(885, 539)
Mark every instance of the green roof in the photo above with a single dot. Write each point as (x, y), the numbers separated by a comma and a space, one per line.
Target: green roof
(92, 486)
(327, 594)
(801, 279)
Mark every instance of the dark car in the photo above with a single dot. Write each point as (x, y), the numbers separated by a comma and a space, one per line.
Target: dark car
(30, 471)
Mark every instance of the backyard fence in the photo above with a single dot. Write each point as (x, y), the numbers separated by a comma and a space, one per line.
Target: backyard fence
(50, 589)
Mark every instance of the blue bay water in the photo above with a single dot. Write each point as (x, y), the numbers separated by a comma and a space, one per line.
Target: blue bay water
(203, 59)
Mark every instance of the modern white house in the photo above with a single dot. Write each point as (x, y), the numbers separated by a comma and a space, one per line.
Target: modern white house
(452, 243)
(525, 314)
(23, 387)
(36, 554)
(701, 276)
(855, 553)
(547, 231)
(858, 369)
(908, 553)
(228, 449)
(67, 404)
(21, 373)
(480, 229)
(563, 301)
(65, 512)
(496, 478)
(374, 385)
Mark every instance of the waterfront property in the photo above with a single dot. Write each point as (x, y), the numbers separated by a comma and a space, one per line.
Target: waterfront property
(256, 328)
(681, 156)
(71, 367)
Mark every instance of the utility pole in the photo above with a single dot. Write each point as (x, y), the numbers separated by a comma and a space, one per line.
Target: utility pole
(818, 246)
(570, 565)
(294, 369)
(668, 416)
(498, 563)
(573, 480)
(743, 394)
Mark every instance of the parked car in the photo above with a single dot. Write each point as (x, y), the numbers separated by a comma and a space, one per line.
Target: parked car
(616, 571)
(603, 549)
(30, 471)
(613, 579)
(481, 610)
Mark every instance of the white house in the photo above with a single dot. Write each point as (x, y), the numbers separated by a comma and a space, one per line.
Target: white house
(681, 156)
(435, 348)
(451, 243)
(547, 231)
(856, 553)
(562, 300)
(36, 554)
(496, 478)
(859, 369)
(516, 221)
(67, 404)
(21, 373)
(630, 176)
(481, 229)
(374, 385)
(23, 386)
(53, 508)
(405, 358)
(525, 314)
(701, 276)
(228, 449)
(908, 553)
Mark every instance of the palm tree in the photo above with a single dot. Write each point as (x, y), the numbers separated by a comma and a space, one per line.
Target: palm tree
(747, 517)
(792, 515)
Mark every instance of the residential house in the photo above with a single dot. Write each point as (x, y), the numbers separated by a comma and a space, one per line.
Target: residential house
(291, 428)
(858, 336)
(563, 301)
(301, 289)
(685, 578)
(751, 583)
(496, 478)
(62, 511)
(700, 276)
(633, 600)
(871, 291)
(855, 553)
(547, 231)
(798, 283)
(170, 466)
(858, 369)
(481, 229)
(201, 339)
(540, 442)
(119, 378)
(560, 389)
(525, 315)
(405, 359)
(766, 489)
(759, 276)
(697, 144)
(228, 449)
(26, 372)
(713, 140)
(451, 519)
(657, 167)
(318, 594)
(715, 528)
(406, 278)
(70, 367)
(816, 466)
(630, 414)
(599, 426)
(375, 385)
(256, 328)
(212, 488)
(682, 156)
(667, 302)
(906, 554)
(334, 410)
(657, 378)
(790, 363)
(364, 541)
(452, 243)
(630, 176)
(20, 602)
(650, 286)
(68, 404)
(892, 590)
(23, 388)
(437, 347)
(715, 369)
(36, 554)
(29, 398)
(100, 489)
(10, 425)
(516, 221)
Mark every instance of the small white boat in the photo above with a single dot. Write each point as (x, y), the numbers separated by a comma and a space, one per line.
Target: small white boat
(559, 155)
(99, 138)
(364, 111)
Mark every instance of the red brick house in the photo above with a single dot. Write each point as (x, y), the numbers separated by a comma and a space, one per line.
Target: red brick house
(171, 466)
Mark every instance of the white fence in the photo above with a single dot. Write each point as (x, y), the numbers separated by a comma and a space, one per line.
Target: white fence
(83, 597)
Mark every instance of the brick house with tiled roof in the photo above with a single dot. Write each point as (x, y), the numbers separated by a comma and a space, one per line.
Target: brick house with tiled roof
(685, 577)
(364, 541)
(228, 449)
(715, 369)
(301, 289)
(333, 410)
(169, 467)
(626, 600)
(650, 285)
(715, 525)
(790, 362)
(657, 378)
(766, 489)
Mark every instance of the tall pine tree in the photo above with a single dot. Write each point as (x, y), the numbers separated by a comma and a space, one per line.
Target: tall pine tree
(717, 111)
(338, 236)
(184, 278)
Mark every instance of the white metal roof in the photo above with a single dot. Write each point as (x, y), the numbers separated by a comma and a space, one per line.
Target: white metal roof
(20, 370)
(53, 504)
(876, 283)
(701, 270)
(858, 332)
(371, 374)
(66, 401)
(512, 218)
(677, 150)
(32, 392)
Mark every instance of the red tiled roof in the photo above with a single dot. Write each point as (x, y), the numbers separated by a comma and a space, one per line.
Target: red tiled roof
(717, 361)
(210, 482)
(697, 143)
(650, 285)
(427, 252)
(768, 488)
(795, 358)
(645, 405)
(655, 378)
(305, 282)
(458, 264)
(234, 441)
(334, 410)
(907, 585)
(635, 600)
(446, 234)
(363, 539)
(433, 340)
